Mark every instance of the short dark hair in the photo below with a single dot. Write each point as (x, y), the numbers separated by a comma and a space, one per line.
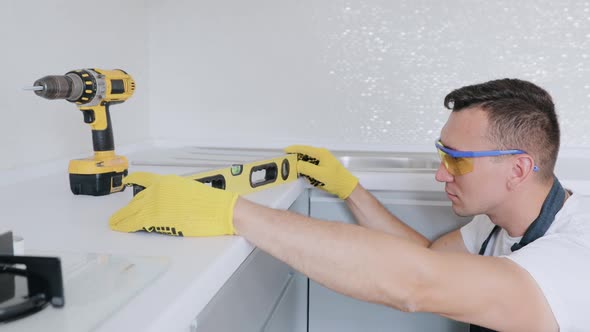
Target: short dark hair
(521, 116)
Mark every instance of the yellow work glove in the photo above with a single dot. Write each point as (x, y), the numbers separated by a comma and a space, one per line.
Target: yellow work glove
(323, 170)
(174, 205)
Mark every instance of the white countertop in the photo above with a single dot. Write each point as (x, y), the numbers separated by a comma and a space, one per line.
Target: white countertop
(49, 217)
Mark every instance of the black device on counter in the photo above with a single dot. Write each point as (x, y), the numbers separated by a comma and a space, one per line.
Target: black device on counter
(44, 282)
(6, 280)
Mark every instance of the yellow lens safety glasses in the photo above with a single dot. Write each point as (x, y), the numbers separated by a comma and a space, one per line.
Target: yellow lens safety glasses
(461, 162)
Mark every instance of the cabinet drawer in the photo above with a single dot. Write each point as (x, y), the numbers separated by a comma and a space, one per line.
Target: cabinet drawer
(247, 300)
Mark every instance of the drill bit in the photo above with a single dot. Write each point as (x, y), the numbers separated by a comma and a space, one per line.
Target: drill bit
(33, 88)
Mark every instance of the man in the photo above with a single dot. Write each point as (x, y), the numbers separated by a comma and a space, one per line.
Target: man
(520, 265)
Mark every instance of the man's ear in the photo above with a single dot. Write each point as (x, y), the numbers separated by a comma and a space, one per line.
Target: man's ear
(522, 167)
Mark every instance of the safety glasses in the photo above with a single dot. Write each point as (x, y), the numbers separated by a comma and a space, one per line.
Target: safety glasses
(461, 162)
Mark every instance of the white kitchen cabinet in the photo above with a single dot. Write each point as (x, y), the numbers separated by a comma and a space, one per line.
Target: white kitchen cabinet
(264, 294)
(427, 212)
(249, 298)
(290, 313)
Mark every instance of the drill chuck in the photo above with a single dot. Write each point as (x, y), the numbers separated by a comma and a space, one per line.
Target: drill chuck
(69, 87)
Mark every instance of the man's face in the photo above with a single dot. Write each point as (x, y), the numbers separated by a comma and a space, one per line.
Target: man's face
(484, 189)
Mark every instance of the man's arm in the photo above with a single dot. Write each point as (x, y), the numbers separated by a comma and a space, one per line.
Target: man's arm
(370, 213)
(450, 242)
(327, 173)
(386, 269)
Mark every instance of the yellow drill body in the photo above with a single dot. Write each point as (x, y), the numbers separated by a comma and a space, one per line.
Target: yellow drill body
(93, 91)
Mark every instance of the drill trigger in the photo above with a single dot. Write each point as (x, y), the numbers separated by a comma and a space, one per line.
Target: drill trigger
(88, 116)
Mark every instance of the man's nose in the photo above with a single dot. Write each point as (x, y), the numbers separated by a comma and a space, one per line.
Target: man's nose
(442, 174)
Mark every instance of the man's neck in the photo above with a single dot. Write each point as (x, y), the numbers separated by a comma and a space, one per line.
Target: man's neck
(520, 209)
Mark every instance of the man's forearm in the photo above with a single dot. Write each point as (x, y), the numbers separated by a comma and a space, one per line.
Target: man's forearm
(370, 213)
(349, 259)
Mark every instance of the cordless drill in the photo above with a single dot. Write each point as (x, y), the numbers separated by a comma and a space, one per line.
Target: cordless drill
(93, 91)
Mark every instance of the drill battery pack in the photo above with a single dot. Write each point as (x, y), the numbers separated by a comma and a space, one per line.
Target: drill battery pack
(99, 175)
(97, 184)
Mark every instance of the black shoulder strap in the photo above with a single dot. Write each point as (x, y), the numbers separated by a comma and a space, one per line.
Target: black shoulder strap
(552, 204)
(484, 245)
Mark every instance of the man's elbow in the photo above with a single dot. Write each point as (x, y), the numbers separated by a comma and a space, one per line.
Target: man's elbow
(409, 294)
(407, 300)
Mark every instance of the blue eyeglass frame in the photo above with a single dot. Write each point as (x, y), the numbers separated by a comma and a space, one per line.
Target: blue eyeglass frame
(474, 154)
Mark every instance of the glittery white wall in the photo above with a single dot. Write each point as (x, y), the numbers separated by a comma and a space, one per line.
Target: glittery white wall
(354, 73)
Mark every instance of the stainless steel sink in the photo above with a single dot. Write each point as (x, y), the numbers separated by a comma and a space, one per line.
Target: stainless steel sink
(389, 162)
